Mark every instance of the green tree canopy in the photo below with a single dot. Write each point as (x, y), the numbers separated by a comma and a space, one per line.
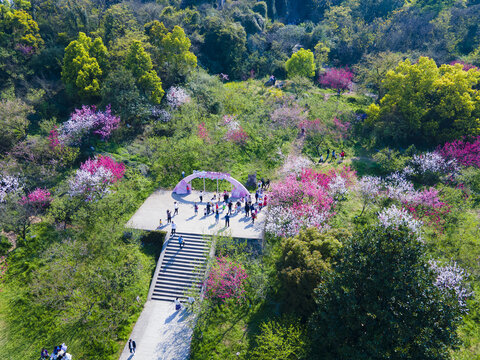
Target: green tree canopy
(381, 302)
(84, 64)
(224, 46)
(303, 261)
(301, 64)
(13, 122)
(139, 62)
(427, 104)
(172, 52)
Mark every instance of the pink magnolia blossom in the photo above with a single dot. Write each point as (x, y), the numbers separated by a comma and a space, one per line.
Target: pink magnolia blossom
(88, 120)
(337, 78)
(226, 280)
(176, 97)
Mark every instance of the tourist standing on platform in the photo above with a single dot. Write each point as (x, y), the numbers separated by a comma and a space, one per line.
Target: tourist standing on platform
(174, 228)
(175, 205)
(217, 217)
(201, 196)
(227, 220)
(247, 209)
(195, 207)
(229, 207)
(169, 217)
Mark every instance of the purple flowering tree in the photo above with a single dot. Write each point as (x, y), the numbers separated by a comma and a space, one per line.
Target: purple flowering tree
(337, 78)
(86, 121)
(176, 97)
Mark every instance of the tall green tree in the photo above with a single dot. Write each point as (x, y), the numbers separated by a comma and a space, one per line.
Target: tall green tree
(301, 64)
(303, 262)
(427, 104)
(224, 46)
(381, 302)
(84, 65)
(139, 62)
(172, 52)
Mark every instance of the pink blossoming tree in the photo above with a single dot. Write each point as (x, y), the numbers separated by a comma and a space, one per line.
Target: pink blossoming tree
(95, 177)
(337, 78)
(226, 280)
(466, 153)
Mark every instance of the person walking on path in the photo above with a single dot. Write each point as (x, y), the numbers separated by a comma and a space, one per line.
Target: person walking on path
(132, 346)
(328, 154)
(183, 174)
(208, 208)
(227, 220)
(201, 196)
(178, 305)
(175, 205)
(342, 155)
(169, 217)
(217, 216)
(254, 215)
(181, 242)
(195, 207)
(265, 201)
(333, 155)
(44, 354)
(256, 196)
(174, 228)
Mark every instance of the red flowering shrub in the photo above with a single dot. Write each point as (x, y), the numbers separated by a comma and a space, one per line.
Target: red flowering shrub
(92, 165)
(202, 131)
(226, 280)
(464, 152)
(40, 197)
(337, 78)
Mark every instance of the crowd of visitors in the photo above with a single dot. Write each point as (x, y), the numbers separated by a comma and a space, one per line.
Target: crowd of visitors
(59, 353)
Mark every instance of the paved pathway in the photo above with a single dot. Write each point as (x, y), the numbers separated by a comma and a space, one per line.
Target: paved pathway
(155, 208)
(161, 333)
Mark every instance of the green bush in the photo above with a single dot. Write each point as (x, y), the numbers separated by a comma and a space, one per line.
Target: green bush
(5, 245)
(283, 339)
(154, 237)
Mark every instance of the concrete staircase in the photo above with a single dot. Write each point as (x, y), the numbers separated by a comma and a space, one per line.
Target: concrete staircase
(181, 269)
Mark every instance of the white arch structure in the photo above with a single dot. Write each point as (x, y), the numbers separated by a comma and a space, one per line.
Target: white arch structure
(184, 186)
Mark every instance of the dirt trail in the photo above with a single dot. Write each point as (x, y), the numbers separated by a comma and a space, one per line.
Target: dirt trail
(295, 161)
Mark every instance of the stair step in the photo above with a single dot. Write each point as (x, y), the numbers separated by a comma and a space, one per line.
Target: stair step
(183, 282)
(179, 271)
(168, 287)
(182, 259)
(186, 251)
(183, 299)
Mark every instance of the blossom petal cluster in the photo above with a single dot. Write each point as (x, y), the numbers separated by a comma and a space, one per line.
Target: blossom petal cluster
(395, 217)
(226, 280)
(305, 200)
(466, 153)
(288, 116)
(41, 197)
(176, 97)
(8, 184)
(452, 278)
(432, 162)
(88, 120)
(95, 177)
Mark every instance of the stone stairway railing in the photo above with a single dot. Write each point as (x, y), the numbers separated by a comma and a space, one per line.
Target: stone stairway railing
(181, 270)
